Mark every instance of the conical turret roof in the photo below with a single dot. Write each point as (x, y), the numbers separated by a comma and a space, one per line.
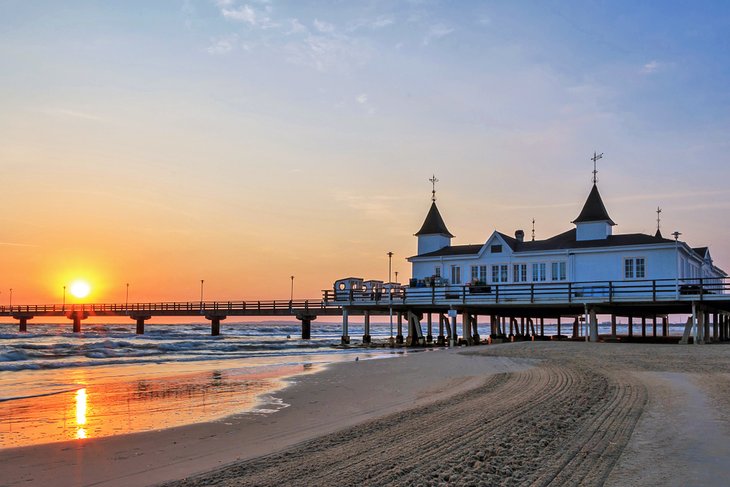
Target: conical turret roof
(594, 210)
(434, 224)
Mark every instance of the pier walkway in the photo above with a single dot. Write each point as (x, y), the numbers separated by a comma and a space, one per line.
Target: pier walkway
(520, 308)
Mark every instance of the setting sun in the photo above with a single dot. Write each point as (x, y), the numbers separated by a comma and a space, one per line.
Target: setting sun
(80, 289)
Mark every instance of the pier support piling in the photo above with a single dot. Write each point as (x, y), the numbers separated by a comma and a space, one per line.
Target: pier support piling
(441, 339)
(593, 326)
(23, 322)
(215, 323)
(399, 335)
(429, 334)
(306, 319)
(345, 327)
(140, 319)
(76, 317)
(366, 338)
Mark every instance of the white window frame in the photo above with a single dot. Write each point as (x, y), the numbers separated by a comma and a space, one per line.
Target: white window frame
(455, 274)
(519, 272)
(631, 268)
(500, 273)
(437, 271)
(559, 271)
(539, 271)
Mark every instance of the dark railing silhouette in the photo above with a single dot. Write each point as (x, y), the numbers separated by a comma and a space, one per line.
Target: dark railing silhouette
(192, 307)
(540, 292)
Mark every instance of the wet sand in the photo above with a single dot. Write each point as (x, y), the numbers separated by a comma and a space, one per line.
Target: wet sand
(533, 413)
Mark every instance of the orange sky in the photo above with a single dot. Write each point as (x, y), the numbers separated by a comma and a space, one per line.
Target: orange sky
(201, 145)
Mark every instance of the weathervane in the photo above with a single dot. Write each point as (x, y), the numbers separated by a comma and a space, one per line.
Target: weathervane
(533, 229)
(658, 218)
(595, 169)
(433, 191)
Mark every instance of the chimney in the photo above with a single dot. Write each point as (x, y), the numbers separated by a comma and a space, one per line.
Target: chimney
(520, 235)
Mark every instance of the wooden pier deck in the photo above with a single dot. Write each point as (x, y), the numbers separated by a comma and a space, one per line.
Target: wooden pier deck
(522, 307)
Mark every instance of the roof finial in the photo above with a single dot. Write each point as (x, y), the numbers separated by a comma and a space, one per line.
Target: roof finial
(433, 191)
(533, 229)
(658, 219)
(595, 169)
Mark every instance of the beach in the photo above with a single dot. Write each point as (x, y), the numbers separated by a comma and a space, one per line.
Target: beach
(532, 413)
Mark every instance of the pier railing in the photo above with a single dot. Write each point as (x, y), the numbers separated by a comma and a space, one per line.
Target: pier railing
(540, 292)
(182, 307)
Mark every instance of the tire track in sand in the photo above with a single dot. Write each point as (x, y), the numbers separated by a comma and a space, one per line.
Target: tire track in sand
(554, 424)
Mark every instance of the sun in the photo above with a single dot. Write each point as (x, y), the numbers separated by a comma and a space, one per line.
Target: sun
(80, 289)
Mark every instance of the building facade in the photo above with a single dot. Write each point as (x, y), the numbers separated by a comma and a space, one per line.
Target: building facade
(589, 252)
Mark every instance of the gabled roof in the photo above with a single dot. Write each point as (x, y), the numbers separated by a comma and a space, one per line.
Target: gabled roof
(594, 210)
(434, 224)
(701, 251)
(564, 241)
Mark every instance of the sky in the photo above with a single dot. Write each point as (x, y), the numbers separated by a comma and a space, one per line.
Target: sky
(242, 142)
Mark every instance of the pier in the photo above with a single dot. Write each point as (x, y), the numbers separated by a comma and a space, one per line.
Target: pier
(513, 311)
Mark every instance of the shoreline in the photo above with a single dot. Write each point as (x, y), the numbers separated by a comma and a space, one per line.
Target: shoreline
(343, 394)
(511, 414)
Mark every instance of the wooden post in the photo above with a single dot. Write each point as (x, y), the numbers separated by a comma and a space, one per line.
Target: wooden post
(399, 336)
(345, 327)
(542, 327)
(631, 326)
(665, 325)
(576, 326)
(715, 327)
(613, 326)
(441, 340)
(475, 329)
(429, 335)
(452, 341)
(643, 326)
(559, 331)
(466, 327)
(653, 326)
(366, 338)
(593, 325)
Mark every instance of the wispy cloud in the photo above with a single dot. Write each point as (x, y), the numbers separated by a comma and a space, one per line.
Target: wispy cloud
(65, 112)
(18, 244)
(259, 18)
(222, 45)
(323, 26)
(651, 67)
(436, 32)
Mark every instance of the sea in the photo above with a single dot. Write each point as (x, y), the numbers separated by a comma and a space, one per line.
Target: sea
(56, 385)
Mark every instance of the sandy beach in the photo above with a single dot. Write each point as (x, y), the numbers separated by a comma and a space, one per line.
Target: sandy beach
(533, 413)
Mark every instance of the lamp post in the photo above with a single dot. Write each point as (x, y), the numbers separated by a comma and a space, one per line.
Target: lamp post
(390, 295)
(11, 299)
(63, 306)
(291, 294)
(676, 235)
(396, 276)
(201, 293)
(126, 299)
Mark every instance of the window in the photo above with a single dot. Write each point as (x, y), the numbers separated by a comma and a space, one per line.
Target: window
(539, 271)
(519, 273)
(479, 273)
(437, 271)
(499, 273)
(496, 249)
(559, 272)
(455, 274)
(634, 268)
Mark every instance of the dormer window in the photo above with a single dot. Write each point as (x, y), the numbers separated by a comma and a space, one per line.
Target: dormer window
(496, 249)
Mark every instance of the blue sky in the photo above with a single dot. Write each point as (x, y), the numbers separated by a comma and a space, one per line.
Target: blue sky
(314, 126)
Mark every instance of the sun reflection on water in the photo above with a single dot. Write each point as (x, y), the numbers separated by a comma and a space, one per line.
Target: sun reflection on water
(81, 404)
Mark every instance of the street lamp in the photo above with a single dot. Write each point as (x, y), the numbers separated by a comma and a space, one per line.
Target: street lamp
(390, 294)
(396, 276)
(676, 235)
(11, 298)
(63, 307)
(126, 300)
(291, 295)
(201, 292)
